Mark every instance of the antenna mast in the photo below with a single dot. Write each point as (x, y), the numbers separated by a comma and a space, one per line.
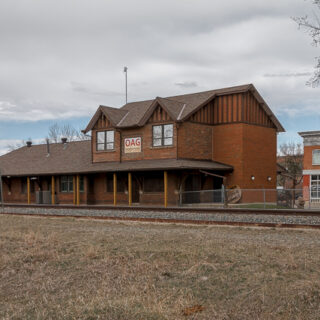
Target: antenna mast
(125, 70)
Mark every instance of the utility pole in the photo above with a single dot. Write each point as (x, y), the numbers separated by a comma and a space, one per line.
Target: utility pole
(125, 70)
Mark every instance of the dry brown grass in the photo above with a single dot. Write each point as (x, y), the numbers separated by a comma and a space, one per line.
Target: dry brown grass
(80, 269)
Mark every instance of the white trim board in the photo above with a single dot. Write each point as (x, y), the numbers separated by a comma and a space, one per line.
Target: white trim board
(309, 172)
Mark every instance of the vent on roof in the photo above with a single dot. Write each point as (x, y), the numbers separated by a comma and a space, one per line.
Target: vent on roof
(64, 140)
(29, 143)
(48, 148)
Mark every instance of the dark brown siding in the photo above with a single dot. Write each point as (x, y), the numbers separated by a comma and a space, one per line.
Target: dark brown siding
(233, 108)
(159, 115)
(102, 123)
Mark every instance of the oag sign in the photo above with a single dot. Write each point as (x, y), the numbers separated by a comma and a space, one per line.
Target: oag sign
(132, 145)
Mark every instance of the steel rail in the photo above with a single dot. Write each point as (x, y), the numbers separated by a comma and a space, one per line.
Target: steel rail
(285, 212)
(175, 221)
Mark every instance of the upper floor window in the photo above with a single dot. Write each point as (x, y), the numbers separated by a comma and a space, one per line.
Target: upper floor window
(162, 135)
(105, 140)
(316, 157)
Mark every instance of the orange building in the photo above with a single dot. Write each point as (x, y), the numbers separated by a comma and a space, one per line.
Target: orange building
(311, 168)
(148, 152)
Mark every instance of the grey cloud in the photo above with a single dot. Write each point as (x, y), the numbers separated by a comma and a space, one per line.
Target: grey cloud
(287, 75)
(63, 59)
(187, 84)
(86, 89)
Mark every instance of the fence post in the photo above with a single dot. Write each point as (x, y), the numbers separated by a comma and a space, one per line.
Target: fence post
(225, 200)
(264, 198)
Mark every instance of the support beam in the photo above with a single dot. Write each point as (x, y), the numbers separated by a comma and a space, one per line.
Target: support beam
(130, 188)
(78, 190)
(114, 189)
(53, 190)
(74, 191)
(28, 190)
(165, 180)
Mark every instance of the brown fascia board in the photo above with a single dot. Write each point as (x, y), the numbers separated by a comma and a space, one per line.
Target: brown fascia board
(266, 108)
(95, 118)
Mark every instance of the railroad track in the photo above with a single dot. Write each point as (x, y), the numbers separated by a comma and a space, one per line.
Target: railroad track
(206, 216)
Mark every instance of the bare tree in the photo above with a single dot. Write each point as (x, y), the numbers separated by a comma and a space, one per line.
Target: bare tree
(291, 156)
(56, 132)
(17, 145)
(312, 25)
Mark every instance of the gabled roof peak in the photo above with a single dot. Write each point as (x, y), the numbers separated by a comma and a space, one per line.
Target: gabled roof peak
(178, 107)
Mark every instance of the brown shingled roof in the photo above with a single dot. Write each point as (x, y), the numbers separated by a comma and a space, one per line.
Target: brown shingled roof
(178, 107)
(75, 157)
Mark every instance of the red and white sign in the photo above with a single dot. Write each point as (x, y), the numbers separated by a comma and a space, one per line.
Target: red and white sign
(132, 145)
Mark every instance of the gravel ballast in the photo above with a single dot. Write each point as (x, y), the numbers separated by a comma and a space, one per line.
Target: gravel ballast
(176, 215)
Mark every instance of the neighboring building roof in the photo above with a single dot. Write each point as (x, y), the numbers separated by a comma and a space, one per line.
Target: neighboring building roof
(75, 157)
(309, 133)
(310, 138)
(178, 107)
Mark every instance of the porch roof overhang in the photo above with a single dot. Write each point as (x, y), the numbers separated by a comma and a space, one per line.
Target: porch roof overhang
(129, 166)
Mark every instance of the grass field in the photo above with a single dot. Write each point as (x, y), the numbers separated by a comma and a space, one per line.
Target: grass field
(80, 269)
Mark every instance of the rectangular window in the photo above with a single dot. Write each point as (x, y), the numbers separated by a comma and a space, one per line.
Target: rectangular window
(162, 135)
(315, 187)
(66, 184)
(316, 157)
(105, 140)
(153, 183)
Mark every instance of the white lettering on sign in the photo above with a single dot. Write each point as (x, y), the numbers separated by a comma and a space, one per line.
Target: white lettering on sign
(132, 145)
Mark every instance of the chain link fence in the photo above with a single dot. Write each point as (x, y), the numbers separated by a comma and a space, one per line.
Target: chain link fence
(247, 198)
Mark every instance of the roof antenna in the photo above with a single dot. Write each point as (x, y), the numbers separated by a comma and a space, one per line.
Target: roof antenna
(125, 70)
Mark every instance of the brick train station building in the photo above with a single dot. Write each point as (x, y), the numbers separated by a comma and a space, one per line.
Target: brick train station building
(148, 152)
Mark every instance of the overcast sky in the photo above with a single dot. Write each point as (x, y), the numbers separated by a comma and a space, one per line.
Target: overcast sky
(59, 60)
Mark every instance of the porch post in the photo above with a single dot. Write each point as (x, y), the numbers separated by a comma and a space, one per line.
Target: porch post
(130, 188)
(52, 190)
(74, 191)
(78, 190)
(114, 189)
(28, 189)
(165, 180)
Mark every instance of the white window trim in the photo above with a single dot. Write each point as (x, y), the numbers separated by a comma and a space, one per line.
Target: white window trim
(105, 143)
(315, 164)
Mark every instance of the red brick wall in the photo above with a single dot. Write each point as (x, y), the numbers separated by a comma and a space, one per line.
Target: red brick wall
(194, 141)
(227, 147)
(147, 150)
(307, 158)
(102, 156)
(251, 150)
(259, 157)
